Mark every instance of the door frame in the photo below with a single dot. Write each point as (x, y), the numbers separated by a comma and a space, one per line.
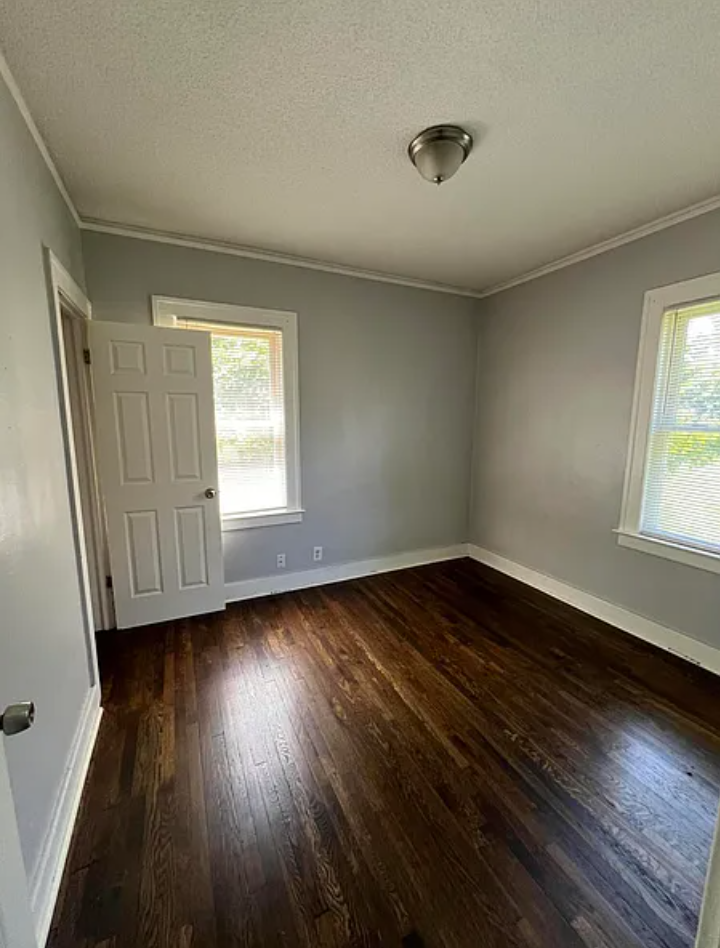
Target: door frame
(90, 538)
(708, 935)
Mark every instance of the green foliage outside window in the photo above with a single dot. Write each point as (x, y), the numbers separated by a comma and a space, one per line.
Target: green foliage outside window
(697, 399)
(241, 369)
(692, 449)
(242, 382)
(232, 449)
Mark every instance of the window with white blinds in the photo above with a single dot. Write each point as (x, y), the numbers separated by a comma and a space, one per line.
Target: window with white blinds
(681, 497)
(255, 384)
(249, 417)
(671, 505)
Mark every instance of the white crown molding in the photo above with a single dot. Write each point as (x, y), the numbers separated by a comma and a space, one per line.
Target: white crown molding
(200, 243)
(662, 223)
(252, 253)
(268, 256)
(20, 102)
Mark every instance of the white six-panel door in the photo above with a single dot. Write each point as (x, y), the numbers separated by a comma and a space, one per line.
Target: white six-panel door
(157, 457)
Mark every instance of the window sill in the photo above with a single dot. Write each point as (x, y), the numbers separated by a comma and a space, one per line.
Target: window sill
(687, 555)
(263, 518)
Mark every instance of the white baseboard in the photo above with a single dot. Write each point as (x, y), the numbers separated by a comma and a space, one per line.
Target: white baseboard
(46, 878)
(668, 639)
(304, 579)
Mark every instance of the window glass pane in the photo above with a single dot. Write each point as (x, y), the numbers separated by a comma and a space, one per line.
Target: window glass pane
(681, 498)
(249, 419)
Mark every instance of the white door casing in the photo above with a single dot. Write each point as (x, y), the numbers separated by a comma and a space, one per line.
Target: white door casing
(708, 935)
(157, 456)
(79, 415)
(16, 921)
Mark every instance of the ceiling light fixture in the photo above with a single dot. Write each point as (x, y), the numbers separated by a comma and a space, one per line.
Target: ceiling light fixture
(438, 152)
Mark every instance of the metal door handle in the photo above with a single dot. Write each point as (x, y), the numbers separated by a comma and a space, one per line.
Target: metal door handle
(17, 718)
(210, 492)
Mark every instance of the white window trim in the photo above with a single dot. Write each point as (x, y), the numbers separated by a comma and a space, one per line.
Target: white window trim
(165, 309)
(656, 304)
(262, 518)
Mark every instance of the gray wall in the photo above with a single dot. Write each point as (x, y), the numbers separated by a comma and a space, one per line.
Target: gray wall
(42, 649)
(556, 372)
(386, 396)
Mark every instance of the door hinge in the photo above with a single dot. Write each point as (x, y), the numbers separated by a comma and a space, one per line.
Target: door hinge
(108, 582)
(86, 357)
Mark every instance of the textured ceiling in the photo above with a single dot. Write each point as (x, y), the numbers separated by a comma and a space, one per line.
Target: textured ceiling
(283, 125)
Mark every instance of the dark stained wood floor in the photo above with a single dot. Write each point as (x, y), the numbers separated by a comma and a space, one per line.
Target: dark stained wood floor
(438, 757)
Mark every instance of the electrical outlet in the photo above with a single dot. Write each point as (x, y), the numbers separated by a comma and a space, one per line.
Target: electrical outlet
(281, 561)
(317, 553)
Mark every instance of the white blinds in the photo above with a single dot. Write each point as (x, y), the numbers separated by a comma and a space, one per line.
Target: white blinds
(249, 416)
(681, 497)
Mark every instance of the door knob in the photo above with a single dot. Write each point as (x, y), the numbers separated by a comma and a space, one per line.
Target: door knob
(17, 718)
(210, 492)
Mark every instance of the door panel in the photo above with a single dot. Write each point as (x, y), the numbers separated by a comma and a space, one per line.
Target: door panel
(183, 433)
(132, 424)
(16, 922)
(192, 559)
(143, 544)
(157, 456)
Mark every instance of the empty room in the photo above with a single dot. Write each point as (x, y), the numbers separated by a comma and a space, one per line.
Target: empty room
(359, 474)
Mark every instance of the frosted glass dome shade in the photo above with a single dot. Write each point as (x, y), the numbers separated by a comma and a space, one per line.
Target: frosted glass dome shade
(438, 152)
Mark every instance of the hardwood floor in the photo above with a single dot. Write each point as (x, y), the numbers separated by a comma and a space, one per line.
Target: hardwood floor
(438, 757)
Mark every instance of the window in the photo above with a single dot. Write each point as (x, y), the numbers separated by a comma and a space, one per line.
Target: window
(254, 355)
(671, 505)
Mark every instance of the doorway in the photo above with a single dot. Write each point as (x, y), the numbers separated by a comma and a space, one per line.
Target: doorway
(72, 311)
(75, 348)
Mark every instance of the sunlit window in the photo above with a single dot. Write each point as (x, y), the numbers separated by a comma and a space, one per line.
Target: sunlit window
(671, 502)
(249, 419)
(681, 497)
(254, 358)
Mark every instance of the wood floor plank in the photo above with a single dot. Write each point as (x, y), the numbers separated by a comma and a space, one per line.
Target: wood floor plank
(437, 757)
